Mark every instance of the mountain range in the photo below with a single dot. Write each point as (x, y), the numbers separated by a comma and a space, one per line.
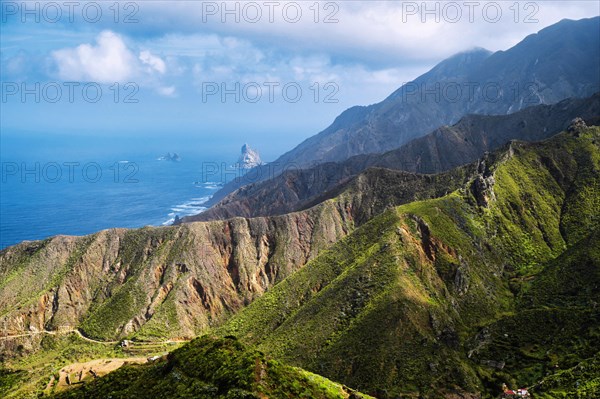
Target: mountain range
(437, 249)
(559, 62)
(441, 150)
(494, 282)
(447, 296)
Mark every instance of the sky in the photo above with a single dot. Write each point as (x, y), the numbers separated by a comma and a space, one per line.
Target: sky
(218, 74)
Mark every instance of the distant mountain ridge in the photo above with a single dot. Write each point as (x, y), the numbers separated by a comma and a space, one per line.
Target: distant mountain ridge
(559, 62)
(443, 149)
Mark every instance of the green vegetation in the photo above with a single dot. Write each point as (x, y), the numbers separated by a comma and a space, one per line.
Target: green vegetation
(27, 374)
(11, 380)
(212, 368)
(448, 293)
(581, 381)
(557, 326)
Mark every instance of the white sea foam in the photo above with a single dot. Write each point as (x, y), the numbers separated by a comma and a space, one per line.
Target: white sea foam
(188, 208)
(213, 185)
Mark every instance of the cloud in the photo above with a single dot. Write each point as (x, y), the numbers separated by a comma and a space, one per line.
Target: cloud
(153, 61)
(167, 91)
(379, 34)
(21, 66)
(109, 60)
(373, 46)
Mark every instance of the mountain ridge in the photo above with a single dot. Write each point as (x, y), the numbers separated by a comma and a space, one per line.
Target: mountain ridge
(443, 149)
(558, 62)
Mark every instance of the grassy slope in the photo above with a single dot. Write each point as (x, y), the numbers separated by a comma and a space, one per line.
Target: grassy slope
(28, 375)
(555, 335)
(580, 381)
(396, 304)
(212, 368)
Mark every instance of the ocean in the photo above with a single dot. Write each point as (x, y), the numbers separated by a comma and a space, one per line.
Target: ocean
(77, 191)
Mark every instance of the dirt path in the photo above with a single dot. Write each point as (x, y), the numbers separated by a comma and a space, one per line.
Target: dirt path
(93, 340)
(29, 334)
(76, 331)
(82, 372)
(59, 332)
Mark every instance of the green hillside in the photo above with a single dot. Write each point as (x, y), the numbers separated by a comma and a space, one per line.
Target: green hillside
(212, 368)
(447, 295)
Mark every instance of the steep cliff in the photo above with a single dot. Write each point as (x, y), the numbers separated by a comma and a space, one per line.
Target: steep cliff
(157, 282)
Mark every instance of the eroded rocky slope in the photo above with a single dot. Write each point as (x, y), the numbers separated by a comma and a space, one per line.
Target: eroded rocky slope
(176, 282)
(157, 282)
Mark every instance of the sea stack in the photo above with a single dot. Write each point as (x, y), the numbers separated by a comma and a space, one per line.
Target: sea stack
(249, 158)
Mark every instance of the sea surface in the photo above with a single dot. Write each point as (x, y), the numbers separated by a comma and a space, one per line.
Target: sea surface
(46, 193)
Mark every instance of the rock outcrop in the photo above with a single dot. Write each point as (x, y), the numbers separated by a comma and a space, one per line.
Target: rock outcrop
(249, 158)
(174, 157)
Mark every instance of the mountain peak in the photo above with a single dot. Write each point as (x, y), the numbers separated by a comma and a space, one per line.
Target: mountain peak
(459, 64)
(473, 51)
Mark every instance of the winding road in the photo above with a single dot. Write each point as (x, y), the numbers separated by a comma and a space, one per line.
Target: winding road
(76, 331)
